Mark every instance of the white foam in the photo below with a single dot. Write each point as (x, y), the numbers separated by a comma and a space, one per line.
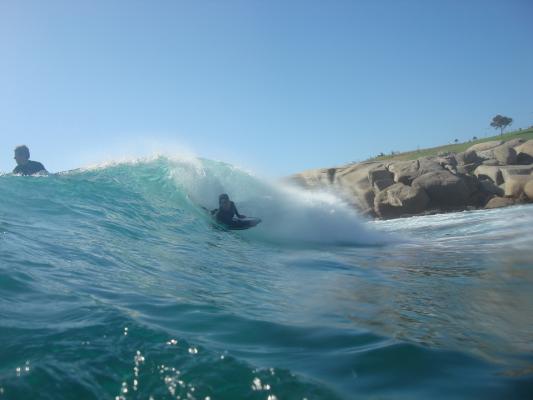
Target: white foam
(289, 214)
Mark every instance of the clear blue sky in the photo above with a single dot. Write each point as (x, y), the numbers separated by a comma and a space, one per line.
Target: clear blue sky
(274, 86)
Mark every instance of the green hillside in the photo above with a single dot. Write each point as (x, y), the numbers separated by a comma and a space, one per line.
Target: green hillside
(456, 147)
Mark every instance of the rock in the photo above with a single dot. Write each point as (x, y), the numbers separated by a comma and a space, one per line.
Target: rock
(353, 183)
(466, 168)
(450, 168)
(484, 146)
(488, 186)
(407, 171)
(480, 198)
(509, 170)
(444, 188)
(504, 154)
(404, 171)
(448, 181)
(366, 201)
(381, 184)
(515, 142)
(468, 157)
(379, 173)
(400, 199)
(446, 161)
(524, 159)
(426, 165)
(526, 147)
(490, 162)
(350, 182)
(528, 190)
(497, 202)
(471, 181)
(514, 184)
(491, 172)
(525, 152)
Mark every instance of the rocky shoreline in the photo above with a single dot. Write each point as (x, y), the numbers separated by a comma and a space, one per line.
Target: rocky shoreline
(487, 175)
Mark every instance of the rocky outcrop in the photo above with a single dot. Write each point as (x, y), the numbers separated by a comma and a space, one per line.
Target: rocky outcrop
(487, 175)
(399, 200)
(514, 185)
(489, 172)
(380, 178)
(489, 186)
(524, 153)
(444, 188)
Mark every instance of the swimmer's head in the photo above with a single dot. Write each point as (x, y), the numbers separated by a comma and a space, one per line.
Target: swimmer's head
(223, 199)
(22, 154)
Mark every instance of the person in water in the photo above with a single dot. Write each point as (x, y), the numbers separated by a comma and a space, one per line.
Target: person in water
(226, 210)
(24, 165)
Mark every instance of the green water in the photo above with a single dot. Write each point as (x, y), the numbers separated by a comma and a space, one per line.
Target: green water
(115, 283)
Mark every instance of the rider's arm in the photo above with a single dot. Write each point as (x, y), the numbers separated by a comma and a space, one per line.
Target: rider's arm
(237, 213)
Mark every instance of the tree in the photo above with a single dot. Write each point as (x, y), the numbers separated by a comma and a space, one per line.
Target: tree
(474, 138)
(500, 122)
(456, 140)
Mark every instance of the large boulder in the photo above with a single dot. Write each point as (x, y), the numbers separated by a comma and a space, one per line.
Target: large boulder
(444, 188)
(515, 142)
(524, 159)
(353, 184)
(400, 199)
(491, 161)
(407, 171)
(466, 168)
(510, 170)
(524, 153)
(380, 178)
(487, 186)
(446, 160)
(514, 184)
(471, 182)
(491, 172)
(484, 146)
(497, 202)
(404, 171)
(503, 154)
(427, 165)
(468, 157)
(528, 190)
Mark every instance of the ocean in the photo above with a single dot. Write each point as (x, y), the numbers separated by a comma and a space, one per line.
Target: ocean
(116, 284)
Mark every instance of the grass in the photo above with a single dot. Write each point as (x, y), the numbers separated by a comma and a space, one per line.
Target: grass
(454, 148)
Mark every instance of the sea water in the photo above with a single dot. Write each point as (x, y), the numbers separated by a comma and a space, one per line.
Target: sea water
(116, 284)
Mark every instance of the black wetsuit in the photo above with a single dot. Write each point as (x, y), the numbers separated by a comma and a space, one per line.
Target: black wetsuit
(226, 216)
(30, 168)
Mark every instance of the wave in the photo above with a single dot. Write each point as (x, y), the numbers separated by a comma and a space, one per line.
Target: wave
(181, 187)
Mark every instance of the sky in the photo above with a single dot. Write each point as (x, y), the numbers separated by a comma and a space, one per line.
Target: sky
(275, 87)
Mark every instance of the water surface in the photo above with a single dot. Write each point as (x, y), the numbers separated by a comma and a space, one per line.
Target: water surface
(115, 283)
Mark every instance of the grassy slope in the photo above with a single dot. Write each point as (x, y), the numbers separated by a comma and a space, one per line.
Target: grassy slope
(455, 148)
